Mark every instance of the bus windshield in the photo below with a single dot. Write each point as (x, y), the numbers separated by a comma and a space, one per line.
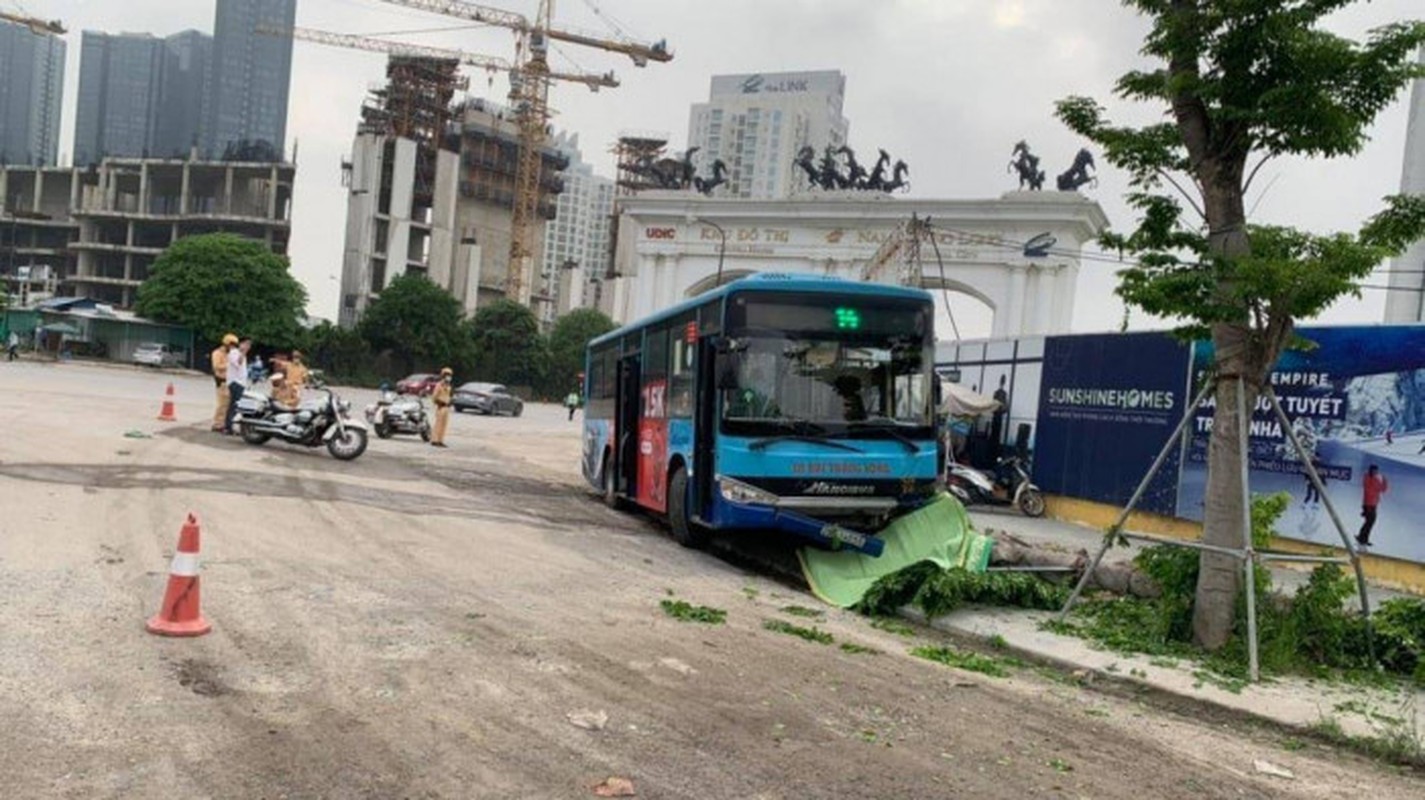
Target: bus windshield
(853, 374)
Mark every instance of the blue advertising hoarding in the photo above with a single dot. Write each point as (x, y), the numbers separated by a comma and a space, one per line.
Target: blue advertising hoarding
(1107, 404)
(1356, 399)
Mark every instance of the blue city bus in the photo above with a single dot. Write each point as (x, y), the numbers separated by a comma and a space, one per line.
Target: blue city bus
(777, 402)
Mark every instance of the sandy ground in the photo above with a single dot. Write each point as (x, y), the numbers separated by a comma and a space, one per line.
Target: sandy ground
(421, 624)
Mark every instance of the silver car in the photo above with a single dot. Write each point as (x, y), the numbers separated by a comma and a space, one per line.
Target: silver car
(486, 398)
(152, 354)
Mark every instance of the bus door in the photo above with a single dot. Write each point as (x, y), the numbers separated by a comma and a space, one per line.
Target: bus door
(626, 414)
(705, 400)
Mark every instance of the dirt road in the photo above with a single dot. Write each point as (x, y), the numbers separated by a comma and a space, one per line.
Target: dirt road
(422, 624)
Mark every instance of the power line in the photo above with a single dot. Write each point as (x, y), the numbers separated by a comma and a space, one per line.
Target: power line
(944, 287)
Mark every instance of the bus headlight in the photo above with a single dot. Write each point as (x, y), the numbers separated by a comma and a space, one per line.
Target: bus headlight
(735, 491)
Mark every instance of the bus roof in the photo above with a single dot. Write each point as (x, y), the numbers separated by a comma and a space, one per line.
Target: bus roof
(774, 282)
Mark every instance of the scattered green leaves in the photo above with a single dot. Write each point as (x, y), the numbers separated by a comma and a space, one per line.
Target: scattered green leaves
(810, 634)
(803, 611)
(859, 649)
(893, 625)
(961, 659)
(1060, 765)
(684, 611)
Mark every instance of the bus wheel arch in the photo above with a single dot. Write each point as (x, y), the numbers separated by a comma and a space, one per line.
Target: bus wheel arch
(680, 523)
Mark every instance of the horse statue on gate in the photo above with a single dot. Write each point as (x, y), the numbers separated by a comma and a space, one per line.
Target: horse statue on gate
(898, 178)
(1078, 174)
(1027, 165)
(855, 173)
(706, 185)
(806, 160)
(876, 182)
(831, 177)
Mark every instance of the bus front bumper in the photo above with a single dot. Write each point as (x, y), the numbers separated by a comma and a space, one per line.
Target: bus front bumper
(739, 505)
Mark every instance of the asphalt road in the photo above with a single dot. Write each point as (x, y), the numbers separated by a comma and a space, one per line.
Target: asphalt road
(422, 624)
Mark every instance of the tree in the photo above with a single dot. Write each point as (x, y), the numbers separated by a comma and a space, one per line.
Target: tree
(567, 341)
(1244, 81)
(339, 352)
(418, 322)
(508, 346)
(222, 283)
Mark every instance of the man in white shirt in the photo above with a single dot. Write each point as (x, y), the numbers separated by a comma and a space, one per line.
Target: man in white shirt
(237, 380)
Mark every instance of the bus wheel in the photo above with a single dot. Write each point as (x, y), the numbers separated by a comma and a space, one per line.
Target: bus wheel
(684, 531)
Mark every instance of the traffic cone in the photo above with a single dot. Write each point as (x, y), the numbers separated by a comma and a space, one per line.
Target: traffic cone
(168, 413)
(180, 614)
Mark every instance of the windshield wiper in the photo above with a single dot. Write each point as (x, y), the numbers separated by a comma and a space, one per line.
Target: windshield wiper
(888, 426)
(763, 444)
(805, 431)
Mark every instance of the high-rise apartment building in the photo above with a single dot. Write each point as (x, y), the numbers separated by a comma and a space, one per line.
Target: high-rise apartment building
(757, 123)
(140, 96)
(576, 242)
(1405, 302)
(120, 76)
(187, 58)
(31, 85)
(246, 103)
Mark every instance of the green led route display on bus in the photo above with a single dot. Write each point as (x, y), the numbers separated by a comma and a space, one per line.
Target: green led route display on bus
(848, 319)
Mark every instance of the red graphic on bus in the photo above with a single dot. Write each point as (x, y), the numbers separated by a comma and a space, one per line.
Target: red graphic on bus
(653, 447)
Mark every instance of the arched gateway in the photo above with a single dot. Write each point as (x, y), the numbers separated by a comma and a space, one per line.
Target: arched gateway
(669, 245)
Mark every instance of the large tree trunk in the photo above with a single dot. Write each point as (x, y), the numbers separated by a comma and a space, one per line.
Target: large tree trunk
(1220, 575)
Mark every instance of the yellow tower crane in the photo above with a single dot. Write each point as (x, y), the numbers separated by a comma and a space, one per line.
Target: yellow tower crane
(530, 98)
(488, 63)
(35, 24)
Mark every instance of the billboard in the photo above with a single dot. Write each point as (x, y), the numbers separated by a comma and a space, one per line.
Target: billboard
(1107, 404)
(1356, 399)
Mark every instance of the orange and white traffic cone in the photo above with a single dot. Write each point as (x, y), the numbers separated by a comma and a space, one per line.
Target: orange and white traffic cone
(168, 413)
(180, 614)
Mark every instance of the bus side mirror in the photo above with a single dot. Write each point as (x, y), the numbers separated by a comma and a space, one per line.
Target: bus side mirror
(939, 394)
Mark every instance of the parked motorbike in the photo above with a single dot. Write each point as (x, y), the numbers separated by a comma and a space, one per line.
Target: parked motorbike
(1011, 488)
(312, 424)
(393, 414)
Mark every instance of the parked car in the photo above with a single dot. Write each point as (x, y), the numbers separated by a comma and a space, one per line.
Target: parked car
(487, 398)
(152, 354)
(420, 384)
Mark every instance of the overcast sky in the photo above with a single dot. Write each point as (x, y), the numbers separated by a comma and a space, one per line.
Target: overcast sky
(946, 85)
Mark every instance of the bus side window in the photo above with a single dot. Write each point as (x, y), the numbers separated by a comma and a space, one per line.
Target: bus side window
(680, 379)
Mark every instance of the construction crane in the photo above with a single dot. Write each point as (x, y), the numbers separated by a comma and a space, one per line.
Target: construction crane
(529, 92)
(35, 24)
(488, 63)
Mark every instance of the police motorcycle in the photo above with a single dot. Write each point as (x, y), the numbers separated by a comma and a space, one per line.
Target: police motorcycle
(312, 424)
(392, 414)
(1011, 487)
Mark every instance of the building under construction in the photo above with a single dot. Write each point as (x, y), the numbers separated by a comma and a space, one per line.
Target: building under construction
(431, 189)
(635, 153)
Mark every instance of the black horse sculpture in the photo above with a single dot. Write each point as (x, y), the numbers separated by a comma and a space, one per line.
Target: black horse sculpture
(855, 173)
(1027, 165)
(898, 177)
(706, 185)
(1078, 174)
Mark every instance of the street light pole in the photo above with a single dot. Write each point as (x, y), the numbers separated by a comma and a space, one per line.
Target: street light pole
(721, 247)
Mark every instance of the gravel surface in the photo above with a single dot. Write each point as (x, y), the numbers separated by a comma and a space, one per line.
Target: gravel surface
(470, 623)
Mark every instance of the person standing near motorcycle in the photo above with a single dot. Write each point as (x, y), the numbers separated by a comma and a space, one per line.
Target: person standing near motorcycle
(441, 398)
(297, 372)
(219, 360)
(237, 380)
(284, 392)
